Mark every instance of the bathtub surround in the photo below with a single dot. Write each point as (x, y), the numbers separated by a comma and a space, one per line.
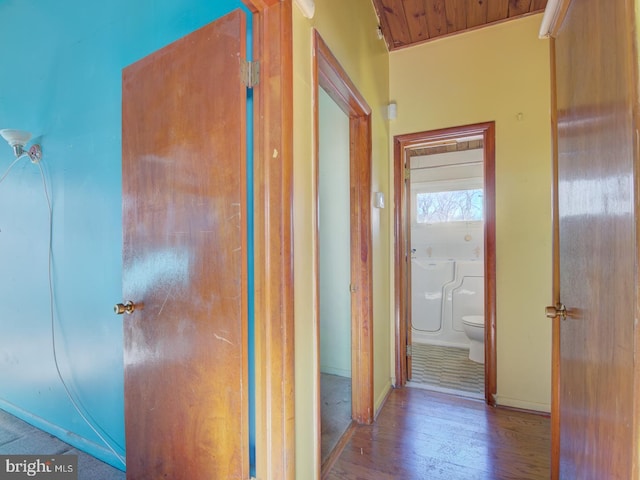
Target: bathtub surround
(446, 215)
(442, 293)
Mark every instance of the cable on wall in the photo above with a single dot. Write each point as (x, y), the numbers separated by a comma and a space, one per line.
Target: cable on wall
(53, 330)
(19, 155)
(4, 175)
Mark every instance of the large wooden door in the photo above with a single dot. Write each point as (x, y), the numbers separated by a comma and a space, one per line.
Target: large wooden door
(184, 214)
(597, 203)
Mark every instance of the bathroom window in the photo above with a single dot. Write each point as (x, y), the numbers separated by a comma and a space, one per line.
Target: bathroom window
(449, 206)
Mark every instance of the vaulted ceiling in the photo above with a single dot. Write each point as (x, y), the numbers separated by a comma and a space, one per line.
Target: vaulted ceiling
(407, 22)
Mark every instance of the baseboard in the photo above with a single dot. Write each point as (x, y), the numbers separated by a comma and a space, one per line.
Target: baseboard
(517, 404)
(340, 372)
(337, 450)
(81, 443)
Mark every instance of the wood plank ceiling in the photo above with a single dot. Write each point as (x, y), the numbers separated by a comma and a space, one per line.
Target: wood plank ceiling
(445, 147)
(407, 22)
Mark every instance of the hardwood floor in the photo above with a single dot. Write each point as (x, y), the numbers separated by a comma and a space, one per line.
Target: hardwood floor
(427, 435)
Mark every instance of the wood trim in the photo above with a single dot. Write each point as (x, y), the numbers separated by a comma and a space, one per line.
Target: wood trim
(401, 250)
(316, 256)
(257, 6)
(555, 279)
(273, 191)
(528, 411)
(329, 75)
(334, 80)
(401, 274)
(337, 451)
(490, 309)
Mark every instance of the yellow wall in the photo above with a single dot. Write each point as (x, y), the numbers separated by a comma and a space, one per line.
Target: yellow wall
(351, 36)
(497, 73)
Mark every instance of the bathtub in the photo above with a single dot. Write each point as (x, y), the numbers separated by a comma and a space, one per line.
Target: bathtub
(442, 292)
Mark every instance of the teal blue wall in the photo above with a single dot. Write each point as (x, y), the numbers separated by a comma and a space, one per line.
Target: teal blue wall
(61, 64)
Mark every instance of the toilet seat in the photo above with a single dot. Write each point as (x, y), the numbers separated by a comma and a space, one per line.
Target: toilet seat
(473, 320)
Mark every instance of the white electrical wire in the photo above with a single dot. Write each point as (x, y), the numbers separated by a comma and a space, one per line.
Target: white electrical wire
(51, 310)
(53, 331)
(4, 175)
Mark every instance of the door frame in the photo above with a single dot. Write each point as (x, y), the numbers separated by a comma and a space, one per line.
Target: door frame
(401, 253)
(329, 75)
(273, 239)
(556, 14)
(555, 277)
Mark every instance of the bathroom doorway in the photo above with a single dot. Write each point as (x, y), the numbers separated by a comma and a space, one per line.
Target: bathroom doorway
(445, 260)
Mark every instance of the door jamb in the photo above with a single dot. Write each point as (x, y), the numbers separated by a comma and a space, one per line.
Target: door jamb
(273, 226)
(329, 75)
(555, 282)
(400, 144)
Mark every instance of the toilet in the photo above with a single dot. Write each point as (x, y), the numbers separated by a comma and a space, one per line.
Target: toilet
(473, 326)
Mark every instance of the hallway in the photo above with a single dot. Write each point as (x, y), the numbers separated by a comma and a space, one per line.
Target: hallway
(427, 435)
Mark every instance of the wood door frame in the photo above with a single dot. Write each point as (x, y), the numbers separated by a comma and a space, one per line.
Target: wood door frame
(400, 144)
(273, 227)
(555, 278)
(557, 17)
(329, 75)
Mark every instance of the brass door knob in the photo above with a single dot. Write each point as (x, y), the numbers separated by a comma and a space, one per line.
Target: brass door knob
(127, 307)
(558, 310)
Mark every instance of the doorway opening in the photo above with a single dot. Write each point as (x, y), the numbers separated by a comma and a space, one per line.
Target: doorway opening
(334, 261)
(330, 78)
(445, 260)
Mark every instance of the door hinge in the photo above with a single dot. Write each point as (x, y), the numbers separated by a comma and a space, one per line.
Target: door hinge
(352, 288)
(407, 173)
(409, 351)
(250, 73)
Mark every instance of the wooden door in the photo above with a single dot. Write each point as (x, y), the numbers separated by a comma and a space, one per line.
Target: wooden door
(596, 190)
(184, 211)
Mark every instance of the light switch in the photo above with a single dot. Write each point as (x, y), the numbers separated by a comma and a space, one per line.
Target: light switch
(378, 200)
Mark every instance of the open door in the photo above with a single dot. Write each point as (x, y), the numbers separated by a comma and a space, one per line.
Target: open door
(595, 427)
(185, 258)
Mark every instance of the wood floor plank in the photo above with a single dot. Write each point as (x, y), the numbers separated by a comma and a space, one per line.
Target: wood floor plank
(427, 435)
